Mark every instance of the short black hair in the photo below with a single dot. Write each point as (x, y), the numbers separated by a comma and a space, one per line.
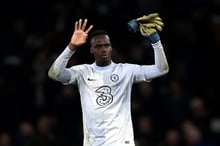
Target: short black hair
(98, 32)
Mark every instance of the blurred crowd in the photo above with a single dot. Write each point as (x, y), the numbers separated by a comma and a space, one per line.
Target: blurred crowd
(179, 109)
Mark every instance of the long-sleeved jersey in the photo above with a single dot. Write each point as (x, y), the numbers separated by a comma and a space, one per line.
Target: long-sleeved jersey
(105, 94)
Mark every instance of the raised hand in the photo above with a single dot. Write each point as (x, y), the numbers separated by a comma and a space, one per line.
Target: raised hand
(149, 24)
(80, 34)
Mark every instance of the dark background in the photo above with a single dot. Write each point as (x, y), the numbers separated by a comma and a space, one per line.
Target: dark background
(33, 33)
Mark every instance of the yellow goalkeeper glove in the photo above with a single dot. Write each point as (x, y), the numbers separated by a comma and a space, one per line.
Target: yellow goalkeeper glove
(148, 25)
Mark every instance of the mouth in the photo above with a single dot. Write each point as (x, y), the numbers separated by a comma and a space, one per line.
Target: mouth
(105, 56)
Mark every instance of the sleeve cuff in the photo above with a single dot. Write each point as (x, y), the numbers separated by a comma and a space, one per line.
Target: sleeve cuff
(67, 52)
(157, 45)
(155, 37)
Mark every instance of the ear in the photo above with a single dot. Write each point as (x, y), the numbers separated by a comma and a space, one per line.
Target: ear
(91, 50)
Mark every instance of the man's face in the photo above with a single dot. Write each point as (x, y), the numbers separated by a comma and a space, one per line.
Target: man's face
(101, 49)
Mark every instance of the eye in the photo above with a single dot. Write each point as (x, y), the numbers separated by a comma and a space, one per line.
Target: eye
(98, 46)
(106, 45)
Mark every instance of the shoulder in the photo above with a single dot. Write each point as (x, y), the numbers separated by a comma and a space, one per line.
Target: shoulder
(81, 67)
(127, 66)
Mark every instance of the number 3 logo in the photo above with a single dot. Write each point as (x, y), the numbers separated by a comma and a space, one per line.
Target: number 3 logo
(104, 96)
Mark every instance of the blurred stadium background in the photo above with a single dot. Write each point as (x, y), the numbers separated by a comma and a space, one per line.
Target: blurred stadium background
(179, 109)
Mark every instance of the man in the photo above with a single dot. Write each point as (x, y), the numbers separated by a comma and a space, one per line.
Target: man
(105, 86)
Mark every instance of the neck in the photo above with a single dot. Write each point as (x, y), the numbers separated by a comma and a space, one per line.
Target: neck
(103, 63)
(103, 68)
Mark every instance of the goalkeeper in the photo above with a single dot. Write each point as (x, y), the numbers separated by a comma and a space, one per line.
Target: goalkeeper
(105, 86)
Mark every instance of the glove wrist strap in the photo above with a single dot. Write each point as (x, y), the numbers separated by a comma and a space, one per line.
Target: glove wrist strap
(154, 37)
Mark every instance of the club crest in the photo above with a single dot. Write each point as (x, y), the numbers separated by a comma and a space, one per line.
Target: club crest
(114, 77)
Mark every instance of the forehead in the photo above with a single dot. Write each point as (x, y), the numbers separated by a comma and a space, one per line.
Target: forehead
(100, 39)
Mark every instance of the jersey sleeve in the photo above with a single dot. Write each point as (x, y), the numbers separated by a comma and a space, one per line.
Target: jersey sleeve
(145, 73)
(58, 70)
(149, 72)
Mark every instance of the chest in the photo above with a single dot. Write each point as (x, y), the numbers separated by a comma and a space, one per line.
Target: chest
(104, 78)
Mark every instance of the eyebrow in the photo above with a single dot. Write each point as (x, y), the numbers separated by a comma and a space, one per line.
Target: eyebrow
(101, 45)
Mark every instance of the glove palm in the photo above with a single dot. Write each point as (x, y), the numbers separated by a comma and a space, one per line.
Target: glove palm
(149, 24)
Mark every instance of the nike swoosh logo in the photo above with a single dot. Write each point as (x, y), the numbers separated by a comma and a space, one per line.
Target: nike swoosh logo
(89, 79)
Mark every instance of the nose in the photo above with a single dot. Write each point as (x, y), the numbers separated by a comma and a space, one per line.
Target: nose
(104, 49)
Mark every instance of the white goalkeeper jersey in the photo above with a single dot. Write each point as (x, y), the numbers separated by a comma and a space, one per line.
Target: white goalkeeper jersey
(105, 97)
